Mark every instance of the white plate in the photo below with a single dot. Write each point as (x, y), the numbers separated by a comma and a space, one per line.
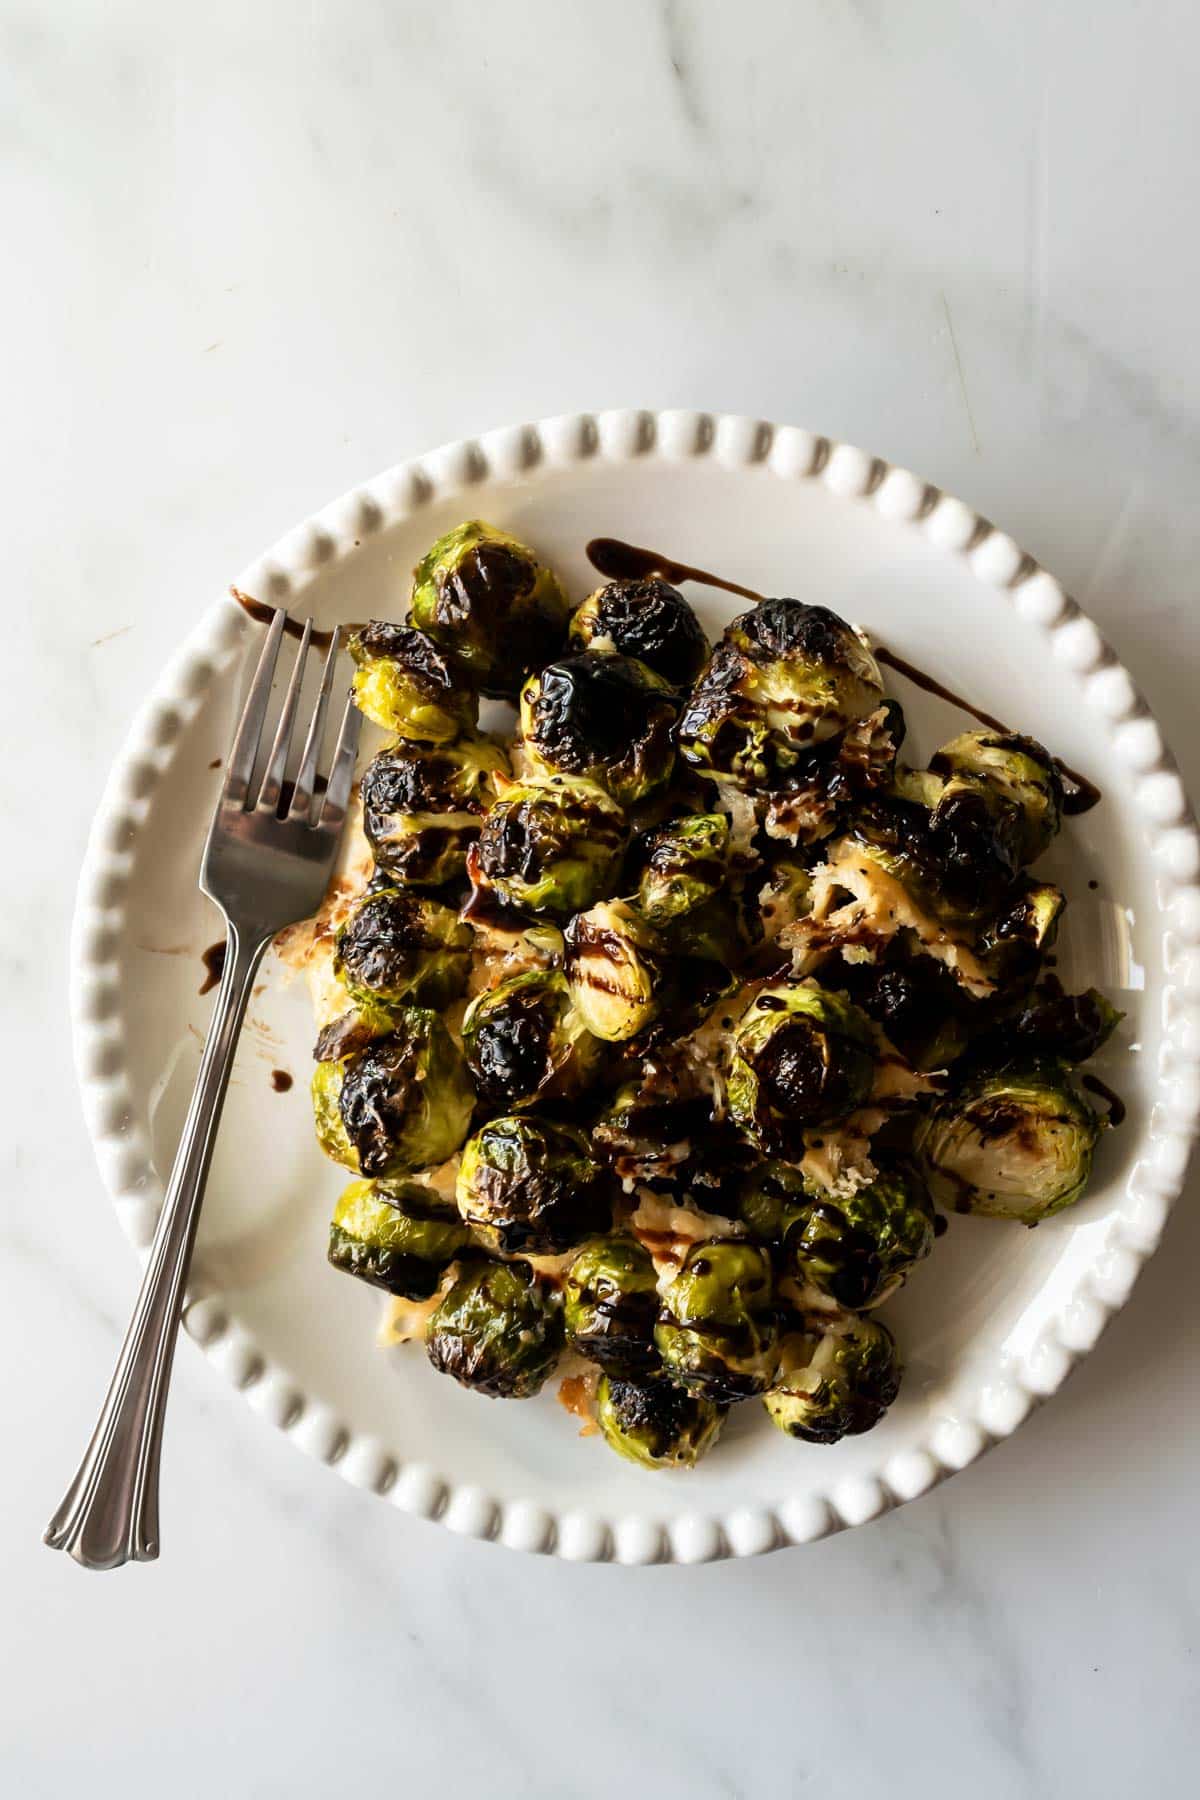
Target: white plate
(989, 1325)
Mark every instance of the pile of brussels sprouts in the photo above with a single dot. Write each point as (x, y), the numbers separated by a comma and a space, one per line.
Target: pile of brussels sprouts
(730, 964)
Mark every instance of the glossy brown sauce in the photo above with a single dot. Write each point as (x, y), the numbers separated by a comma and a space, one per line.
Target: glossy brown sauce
(941, 1225)
(1116, 1106)
(262, 614)
(214, 965)
(632, 562)
(281, 1081)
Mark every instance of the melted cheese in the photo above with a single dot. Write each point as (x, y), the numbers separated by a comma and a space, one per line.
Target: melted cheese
(879, 907)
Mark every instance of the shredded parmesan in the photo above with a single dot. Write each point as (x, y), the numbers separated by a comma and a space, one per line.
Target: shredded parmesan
(879, 906)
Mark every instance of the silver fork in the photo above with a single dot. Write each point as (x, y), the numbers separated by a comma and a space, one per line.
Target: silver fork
(267, 863)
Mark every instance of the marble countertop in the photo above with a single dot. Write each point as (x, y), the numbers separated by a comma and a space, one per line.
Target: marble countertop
(257, 253)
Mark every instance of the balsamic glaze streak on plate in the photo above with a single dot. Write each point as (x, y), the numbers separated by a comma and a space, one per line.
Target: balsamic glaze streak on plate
(632, 562)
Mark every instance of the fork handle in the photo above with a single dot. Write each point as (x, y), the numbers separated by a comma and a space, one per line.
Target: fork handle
(110, 1512)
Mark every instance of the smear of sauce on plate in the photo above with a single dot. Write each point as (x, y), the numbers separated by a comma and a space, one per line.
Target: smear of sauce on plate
(214, 965)
(1116, 1106)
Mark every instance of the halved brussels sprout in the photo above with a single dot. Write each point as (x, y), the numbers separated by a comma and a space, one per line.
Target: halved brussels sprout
(610, 1305)
(717, 1331)
(857, 1248)
(526, 1040)
(550, 846)
(649, 620)
(488, 601)
(656, 1424)
(802, 1056)
(399, 948)
(687, 864)
(531, 1184)
(1067, 1028)
(423, 805)
(400, 1236)
(497, 1331)
(601, 718)
(402, 1104)
(613, 963)
(1015, 771)
(836, 1379)
(1014, 1145)
(404, 683)
(1014, 943)
(785, 676)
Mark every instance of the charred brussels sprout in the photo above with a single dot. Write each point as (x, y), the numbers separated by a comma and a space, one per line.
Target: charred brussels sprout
(601, 718)
(1001, 771)
(403, 1103)
(1067, 1027)
(1014, 943)
(785, 676)
(649, 620)
(717, 1331)
(488, 601)
(550, 846)
(856, 1249)
(655, 1423)
(836, 1379)
(613, 970)
(497, 1331)
(802, 1057)
(404, 683)
(530, 1184)
(783, 897)
(423, 805)
(610, 1304)
(398, 948)
(687, 865)
(1015, 1145)
(400, 1236)
(526, 1040)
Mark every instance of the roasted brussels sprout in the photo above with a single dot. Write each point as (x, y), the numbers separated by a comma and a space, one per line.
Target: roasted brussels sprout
(837, 1378)
(717, 1331)
(549, 846)
(802, 1057)
(497, 1331)
(405, 683)
(487, 600)
(686, 866)
(423, 805)
(1005, 771)
(402, 1104)
(526, 1040)
(771, 1195)
(398, 948)
(610, 1305)
(857, 1248)
(613, 965)
(1013, 944)
(531, 1184)
(1069, 1028)
(1013, 1145)
(400, 1236)
(655, 1423)
(916, 1001)
(649, 620)
(784, 677)
(602, 718)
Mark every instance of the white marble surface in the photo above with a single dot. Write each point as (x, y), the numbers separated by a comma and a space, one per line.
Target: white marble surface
(254, 253)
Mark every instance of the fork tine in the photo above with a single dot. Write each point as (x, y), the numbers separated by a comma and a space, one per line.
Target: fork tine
(306, 775)
(272, 782)
(341, 774)
(240, 766)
